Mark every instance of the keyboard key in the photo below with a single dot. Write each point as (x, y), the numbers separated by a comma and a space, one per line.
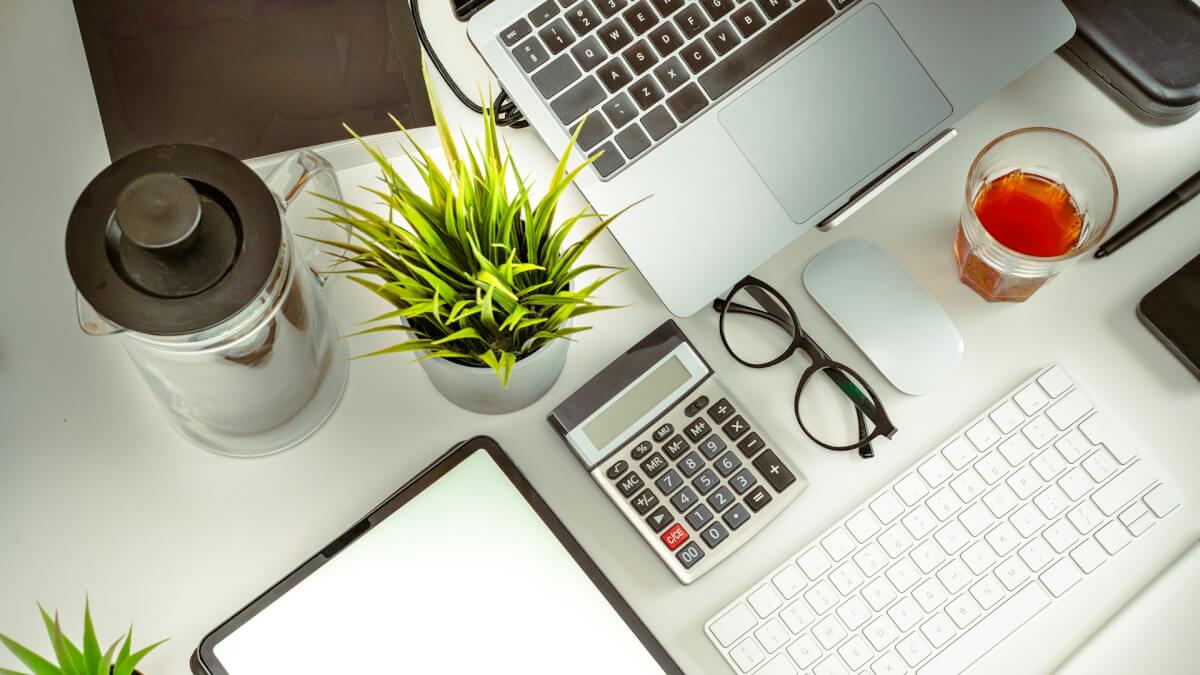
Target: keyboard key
(675, 447)
(632, 141)
(723, 38)
(968, 485)
(717, 8)
(789, 581)
(1052, 501)
(706, 481)
(914, 649)
(1024, 482)
(640, 18)
(978, 557)
(774, 471)
(895, 540)
(1085, 517)
(654, 465)
(699, 517)
(733, 624)
(838, 544)
(671, 74)
(765, 600)
(944, 503)
(1055, 381)
(1027, 520)
(714, 534)
(557, 37)
(691, 21)
(903, 574)
(1036, 554)
(830, 666)
(930, 594)
(614, 74)
(879, 594)
(674, 536)
(684, 499)
(1049, 464)
(1112, 537)
(846, 577)
(912, 489)
(1137, 510)
(595, 129)
(640, 57)
(1162, 500)
(1032, 398)
(1016, 450)
(889, 664)
(928, 555)
(645, 501)
(742, 481)
(771, 42)
(772, 635)
(721, 499)
(906, 612)
(936, 470)
(938, 630)
(609, 7)
(862, 525)
(956, 574)
(797, 615)
(1076, 483)
(689, 555)
(988, 591)
(667, 7)
(748, 20)
(1003, 538)
(919, 522)
(1007, 416)
(619, 110)
(1100, 465)
(1101, 432)
(814, 562)
(669, 482)
(993, 628)
(630, 484)
(773, 8)
(984, 434)
(646, 93)
(615, 36)
(959, 453)
(992, 467)
(1069, 410)
(658, 123)
(1061, 576)
(511, 35)
(747, 654)
(697, 57)
(856, 652)
(1040, 431)
(531, 55)
(804, 651)
(1123, 488)
(1012, 572)
(963, 610)
(758, 498)
(607, 159)
(1000, 500)
(577, 100)
(543, 12)
(829, 631)
(1088, 556)
(660, 519)
(712, 446)
(736, 516)
(583, 18)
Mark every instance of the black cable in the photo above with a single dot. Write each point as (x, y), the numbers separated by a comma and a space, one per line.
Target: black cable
(507, 112)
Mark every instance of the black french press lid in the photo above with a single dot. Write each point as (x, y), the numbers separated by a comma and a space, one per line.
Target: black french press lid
(173, 239)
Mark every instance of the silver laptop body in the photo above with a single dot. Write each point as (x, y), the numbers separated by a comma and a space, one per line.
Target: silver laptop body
(775, 117)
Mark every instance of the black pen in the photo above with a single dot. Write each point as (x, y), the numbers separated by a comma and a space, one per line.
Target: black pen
(1163, 207)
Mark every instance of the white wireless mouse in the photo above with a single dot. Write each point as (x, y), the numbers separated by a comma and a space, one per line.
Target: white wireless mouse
(895, 322)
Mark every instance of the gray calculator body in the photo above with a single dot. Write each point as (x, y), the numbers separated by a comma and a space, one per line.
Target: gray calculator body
(684, 462)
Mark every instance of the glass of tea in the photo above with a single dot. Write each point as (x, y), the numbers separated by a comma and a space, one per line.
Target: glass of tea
(1036, 200)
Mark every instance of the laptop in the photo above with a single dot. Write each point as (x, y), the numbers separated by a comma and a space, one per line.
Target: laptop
(749, 122)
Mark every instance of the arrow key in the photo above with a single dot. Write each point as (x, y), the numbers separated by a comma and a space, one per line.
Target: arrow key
(660, 519)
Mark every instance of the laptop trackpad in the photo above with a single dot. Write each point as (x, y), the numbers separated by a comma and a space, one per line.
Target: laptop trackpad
(838, 111)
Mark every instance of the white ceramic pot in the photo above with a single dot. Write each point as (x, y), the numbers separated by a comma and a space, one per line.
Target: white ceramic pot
(478, 389)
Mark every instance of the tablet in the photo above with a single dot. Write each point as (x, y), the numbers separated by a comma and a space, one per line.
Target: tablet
(463, 570)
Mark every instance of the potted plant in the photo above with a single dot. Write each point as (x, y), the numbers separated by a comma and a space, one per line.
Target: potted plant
(482, 281)
(74, 660)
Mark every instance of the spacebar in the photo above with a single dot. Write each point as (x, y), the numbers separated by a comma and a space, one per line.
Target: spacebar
(990, 632)
(778, 37)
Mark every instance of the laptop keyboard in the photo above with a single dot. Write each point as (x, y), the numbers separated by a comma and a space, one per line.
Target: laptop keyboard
(642, 69)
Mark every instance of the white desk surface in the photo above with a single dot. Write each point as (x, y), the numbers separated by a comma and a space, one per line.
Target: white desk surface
(99, 496)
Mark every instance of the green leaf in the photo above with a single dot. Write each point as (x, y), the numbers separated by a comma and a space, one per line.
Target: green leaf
(91, 646)
(126, 665)
(37, 664)
(65, 651)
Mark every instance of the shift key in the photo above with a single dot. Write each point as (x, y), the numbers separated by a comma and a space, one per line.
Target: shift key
(770, 466)
(1121, 490)
(577, 100)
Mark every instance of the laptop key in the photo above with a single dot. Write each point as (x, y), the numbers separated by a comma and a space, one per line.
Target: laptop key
(615, 36)
(619, 110)
(667, 7)
(671, 74)
(633, 141)
(748, 20)
(614, 74)
(608, 159)
(555, 77)
(772, 41)
(543, 12)
(666, 39)
(640, 57)
(697, 56)
(588, 53)
(646, 92)
(531, 54)
(575, 101)
(717, 8)
(583, 18)
(723, 38)
(658, 123)
(556, 36)
(691, 21)
(609, 7)
(640, 18)
(773, 8)
(515, 32)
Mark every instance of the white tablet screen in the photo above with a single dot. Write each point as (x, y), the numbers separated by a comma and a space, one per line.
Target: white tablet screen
(464, 578)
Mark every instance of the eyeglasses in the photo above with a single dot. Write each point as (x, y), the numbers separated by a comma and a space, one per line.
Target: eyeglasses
(760, 330)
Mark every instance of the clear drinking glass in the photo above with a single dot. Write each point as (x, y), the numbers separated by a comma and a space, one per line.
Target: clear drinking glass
(996, 271)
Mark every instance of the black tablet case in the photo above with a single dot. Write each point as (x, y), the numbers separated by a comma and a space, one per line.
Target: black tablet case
(1172, 312)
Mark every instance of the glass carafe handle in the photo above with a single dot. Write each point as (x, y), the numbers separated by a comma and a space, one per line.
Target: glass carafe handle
(305, 173)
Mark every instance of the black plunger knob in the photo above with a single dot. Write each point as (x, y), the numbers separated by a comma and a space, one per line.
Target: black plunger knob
(158, 211)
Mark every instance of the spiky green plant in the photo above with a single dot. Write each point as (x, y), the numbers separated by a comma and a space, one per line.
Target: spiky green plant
(73, 660)
(482, 274)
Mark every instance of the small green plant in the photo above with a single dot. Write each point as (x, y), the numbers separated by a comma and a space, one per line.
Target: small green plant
(482, 275)
(73, 660)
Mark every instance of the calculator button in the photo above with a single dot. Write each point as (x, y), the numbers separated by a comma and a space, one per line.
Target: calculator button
(630, 484)
(714, 534)
(706, 481)
(721, 499)
(736, 427)
(758, 498)
(669, 482)
(659, 519)
(684, 499)
(674, 536)
(690, 464)
(712, 446)
(697, 429)
(736, 516)
(699, 516)
(696, 406)
(689, 555)
(663, 433)
(645, 501)
(727, 464)
(640, 450)
(750, 445)
(654, 465)
(614, 472)
(721, 411)
(675, 447)
(742, 481)
(769, 465)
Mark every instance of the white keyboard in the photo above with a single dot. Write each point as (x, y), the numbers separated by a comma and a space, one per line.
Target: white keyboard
(944, 563)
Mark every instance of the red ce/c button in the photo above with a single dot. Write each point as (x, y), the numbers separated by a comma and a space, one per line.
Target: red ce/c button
(675, 536)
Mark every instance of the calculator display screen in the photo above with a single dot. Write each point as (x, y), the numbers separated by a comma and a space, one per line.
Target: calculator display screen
(636, 401)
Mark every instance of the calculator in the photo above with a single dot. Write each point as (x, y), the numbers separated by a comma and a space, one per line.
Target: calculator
(682, 459)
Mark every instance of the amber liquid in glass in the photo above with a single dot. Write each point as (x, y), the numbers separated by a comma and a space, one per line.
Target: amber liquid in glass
(1027, 213)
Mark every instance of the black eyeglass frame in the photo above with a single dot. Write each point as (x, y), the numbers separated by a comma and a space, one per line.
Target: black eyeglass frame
(780, 312)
